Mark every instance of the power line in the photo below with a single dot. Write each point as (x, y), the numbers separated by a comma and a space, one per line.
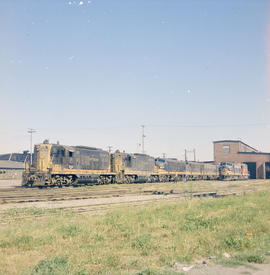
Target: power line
(208, 125)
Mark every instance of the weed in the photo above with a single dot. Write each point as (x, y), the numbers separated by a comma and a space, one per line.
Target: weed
(192, 222)
(238, 243)
(252, 258)
(142, 242)
(113, 261)
(22, 241)
(57, 265)
(69, 230)
(99, 238)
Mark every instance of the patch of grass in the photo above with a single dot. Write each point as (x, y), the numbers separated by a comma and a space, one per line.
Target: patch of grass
(69, 230)
(238, 242)
(234, 262)
(192, 222)
(142, 242)
(146, 239)
(19, 242)
(252, 258)
(57, 265)
(113, 261)
(17, 212)
(244, 259)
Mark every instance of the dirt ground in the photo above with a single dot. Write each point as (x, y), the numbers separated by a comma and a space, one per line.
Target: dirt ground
(10, 183)
(212, 269)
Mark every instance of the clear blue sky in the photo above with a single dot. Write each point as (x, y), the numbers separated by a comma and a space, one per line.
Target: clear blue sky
(91, 72)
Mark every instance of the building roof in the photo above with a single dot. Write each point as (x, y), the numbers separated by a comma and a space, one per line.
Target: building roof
(8, 164)
(236, 141)
(254, 153)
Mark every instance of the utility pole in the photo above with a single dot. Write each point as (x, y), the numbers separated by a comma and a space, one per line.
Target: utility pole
(109, 148)
(194, 154)
(31, 131)
(143, 136)
(138, 147)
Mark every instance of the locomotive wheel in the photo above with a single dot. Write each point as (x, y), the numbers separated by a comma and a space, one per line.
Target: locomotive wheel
(58, 181)
(30, 184)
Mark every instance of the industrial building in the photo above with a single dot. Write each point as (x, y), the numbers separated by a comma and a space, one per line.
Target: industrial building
(11, 169)
(238, 151)
(12, 165)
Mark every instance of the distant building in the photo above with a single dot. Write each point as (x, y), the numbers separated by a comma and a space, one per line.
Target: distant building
(238, 151)
(25, 156)
(11, 169)
(13, 164)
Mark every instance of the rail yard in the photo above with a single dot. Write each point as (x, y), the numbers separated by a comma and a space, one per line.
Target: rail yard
(67, 185)
(95, 198)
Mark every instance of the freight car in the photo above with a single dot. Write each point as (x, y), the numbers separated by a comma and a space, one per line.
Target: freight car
(233, 171)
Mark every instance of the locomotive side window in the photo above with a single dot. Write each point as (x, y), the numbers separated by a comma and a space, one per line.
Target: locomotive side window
(70, 154)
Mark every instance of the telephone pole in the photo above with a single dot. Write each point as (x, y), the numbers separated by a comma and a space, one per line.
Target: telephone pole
(110, 148)
(143, 136)
(31, 131)
(189, 151)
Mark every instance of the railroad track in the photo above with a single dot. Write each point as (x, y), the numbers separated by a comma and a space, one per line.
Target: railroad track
(21, 195)
(102, 208)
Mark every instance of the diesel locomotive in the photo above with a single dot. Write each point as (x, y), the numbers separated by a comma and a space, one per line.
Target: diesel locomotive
(233, 171)
(60, 165)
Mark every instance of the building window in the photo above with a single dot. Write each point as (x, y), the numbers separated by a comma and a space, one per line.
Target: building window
(226, 149)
